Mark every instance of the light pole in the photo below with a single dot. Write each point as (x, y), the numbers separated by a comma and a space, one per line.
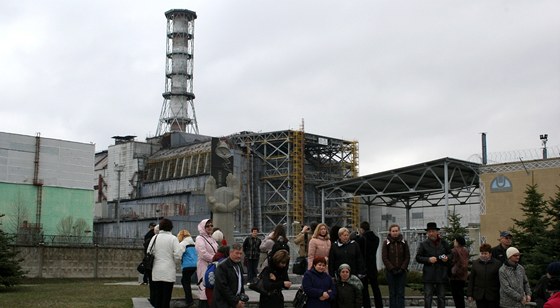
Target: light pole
(119, 169)
(544, 139)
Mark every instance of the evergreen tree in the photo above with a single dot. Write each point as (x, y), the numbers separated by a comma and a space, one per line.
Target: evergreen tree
(455, 229)
(549, 249)
(10, 269)
(531, 232)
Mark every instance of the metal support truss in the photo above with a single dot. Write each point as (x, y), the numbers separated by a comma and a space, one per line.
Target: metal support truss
(288, 166)
(442, 182)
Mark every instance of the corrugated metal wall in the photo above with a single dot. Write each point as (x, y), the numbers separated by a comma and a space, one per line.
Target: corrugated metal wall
(49, 185)
(62, 163)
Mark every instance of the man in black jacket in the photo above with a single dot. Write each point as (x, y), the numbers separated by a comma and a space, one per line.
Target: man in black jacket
(369, 242)
(435, 254)
(228, 288)
(252, 253)
(499, 252)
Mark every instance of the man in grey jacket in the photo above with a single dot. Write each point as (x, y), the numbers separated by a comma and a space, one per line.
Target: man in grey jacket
(514, 285)
(435, 254)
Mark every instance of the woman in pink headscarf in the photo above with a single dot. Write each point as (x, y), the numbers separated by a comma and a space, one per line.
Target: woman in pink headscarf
(206, 248)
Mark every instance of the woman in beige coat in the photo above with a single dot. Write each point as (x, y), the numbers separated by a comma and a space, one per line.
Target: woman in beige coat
(319, 245)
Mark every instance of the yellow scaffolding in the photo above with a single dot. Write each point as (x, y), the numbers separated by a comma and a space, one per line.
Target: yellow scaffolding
(298, 162)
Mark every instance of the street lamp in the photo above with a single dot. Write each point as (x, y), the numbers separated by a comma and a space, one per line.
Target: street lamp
(544, 139)
(119, 169)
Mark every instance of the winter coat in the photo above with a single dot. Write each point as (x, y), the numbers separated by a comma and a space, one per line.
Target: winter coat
(348, 253)
(267, 243)
(227, 283)
(314, 284)
(302, 240)
(553, 301)
(460, 264)
(166, 250)
(369, 243)
(206, 248)
(147, 237)
(434, 272)
(189, 258)
(484, 280)
(318, 247)
(499, 253)
(251, 247)
(514, 285)
(348, 295)
(395, 253)
(540, 292)
(275, 299)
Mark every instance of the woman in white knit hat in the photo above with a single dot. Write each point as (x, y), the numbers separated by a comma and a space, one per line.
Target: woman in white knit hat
(514, 285)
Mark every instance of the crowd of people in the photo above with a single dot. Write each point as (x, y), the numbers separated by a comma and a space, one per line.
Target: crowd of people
(496, 278)
(342, 268)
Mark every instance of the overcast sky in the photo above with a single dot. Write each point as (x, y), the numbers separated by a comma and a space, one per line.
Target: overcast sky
(412, 81)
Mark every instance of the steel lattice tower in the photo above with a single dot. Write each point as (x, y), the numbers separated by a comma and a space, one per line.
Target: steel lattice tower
(177, 112)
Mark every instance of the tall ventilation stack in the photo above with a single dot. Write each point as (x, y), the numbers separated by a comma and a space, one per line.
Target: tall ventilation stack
(177, 112)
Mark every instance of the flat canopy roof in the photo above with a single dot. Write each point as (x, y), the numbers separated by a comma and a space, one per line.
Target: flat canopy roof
(440, 182)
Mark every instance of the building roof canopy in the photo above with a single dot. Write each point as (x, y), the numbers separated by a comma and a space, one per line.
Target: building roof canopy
(419, 185)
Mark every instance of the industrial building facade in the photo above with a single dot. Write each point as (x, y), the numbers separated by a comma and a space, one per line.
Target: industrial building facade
(503, 189)
(46, 187)
(279, 172)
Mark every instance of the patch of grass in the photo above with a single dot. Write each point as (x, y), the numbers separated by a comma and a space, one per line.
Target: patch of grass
(75, 293)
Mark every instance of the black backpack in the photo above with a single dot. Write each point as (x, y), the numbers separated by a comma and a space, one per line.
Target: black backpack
(279, 244)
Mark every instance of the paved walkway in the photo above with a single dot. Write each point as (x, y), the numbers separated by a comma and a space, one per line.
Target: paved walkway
(142, 302)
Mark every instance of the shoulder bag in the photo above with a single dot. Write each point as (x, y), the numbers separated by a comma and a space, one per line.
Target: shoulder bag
(300, 300)
(148, 260)
(257, 284)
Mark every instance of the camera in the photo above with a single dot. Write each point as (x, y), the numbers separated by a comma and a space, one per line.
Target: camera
(243, 297)
(442, 257)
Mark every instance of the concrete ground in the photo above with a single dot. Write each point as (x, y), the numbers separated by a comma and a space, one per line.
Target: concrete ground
(141, 302)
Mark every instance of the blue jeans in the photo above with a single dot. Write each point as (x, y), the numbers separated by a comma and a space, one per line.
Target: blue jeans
(396, 284)
(429, 289)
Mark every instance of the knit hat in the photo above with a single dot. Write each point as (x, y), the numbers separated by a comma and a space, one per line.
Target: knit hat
(511, 251)
(218, 236)
(553, 269)
(343, 266)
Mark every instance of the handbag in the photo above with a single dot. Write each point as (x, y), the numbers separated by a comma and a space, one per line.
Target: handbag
(148, 260)
(140, 268)
(300, 266)
(257, 285)
(300, 300)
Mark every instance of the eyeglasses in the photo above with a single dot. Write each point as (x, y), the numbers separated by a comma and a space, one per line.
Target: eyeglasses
(209, 226)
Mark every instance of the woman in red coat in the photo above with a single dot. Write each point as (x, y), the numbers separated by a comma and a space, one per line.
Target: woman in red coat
(459, 271)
